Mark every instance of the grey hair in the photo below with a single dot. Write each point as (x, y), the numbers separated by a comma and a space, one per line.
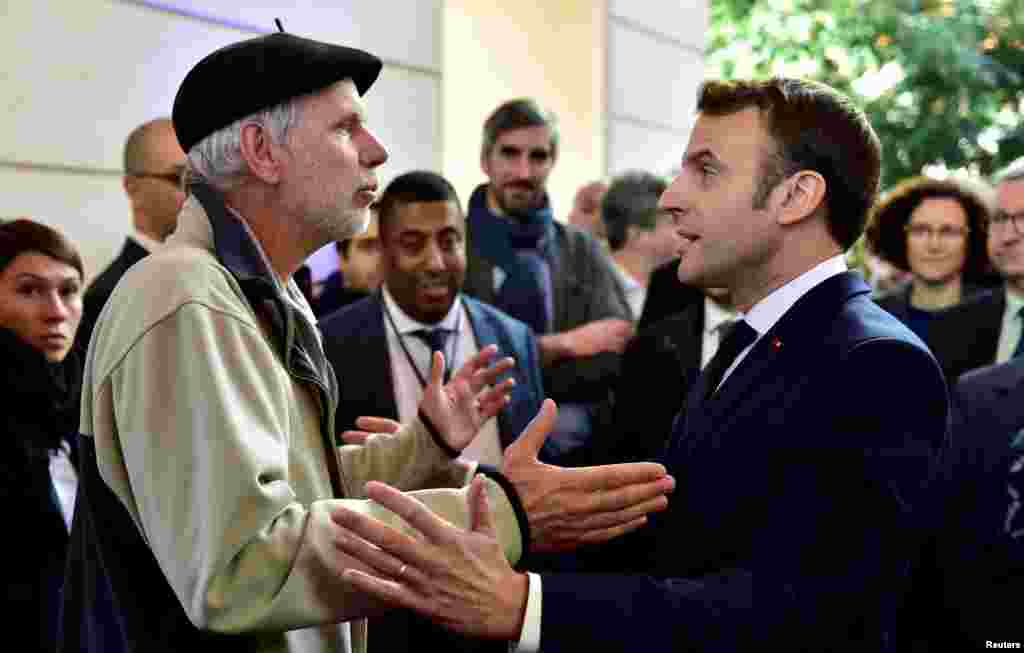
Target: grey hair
(1014, 171)
(217, 159)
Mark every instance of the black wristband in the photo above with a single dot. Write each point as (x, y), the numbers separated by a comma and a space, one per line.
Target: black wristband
(513, 498)
(434, 433)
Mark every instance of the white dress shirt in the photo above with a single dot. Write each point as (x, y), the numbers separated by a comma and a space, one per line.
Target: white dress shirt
(65, 481)
(635, 292)
(716, 316)
(1010, 332)
(762, 317)
(486, 446)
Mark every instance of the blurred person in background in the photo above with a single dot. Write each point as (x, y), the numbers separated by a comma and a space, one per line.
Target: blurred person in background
(154, 171)
(359, 270)
(586, 210)
(935, 230)
(40, 310)
(640, 236)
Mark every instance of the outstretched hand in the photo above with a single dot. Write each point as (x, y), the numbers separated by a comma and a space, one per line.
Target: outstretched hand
(458, 409)
(367, 427)
(568, 507)
(458, 578)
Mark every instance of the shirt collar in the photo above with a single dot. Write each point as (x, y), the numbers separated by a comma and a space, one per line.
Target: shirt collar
(715, 315)
(1014, 303)
(405, 324)
(629, 284)
(770, 310)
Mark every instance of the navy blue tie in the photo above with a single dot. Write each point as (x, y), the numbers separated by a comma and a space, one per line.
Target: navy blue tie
(436, 340)
(738, 336)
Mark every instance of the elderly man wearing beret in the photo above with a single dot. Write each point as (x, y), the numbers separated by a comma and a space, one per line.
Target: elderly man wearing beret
(211, 487)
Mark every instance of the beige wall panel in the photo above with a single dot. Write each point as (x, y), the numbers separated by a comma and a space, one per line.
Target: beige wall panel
(402, 31)
(90, 209)
(684, 21)
(650, 80)
(639, 147)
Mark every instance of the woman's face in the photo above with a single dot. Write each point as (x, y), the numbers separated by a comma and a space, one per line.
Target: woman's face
(41, 302)
(937, 240)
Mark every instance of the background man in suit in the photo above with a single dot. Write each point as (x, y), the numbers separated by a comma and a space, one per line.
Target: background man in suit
(423, 264)
(988, 329)
(552, 276)
(801, 475)
(640, 236)
(968, 588)
(359, 270)
(153, 167)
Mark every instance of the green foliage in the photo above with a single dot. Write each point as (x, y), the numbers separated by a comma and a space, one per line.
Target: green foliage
(941, 80)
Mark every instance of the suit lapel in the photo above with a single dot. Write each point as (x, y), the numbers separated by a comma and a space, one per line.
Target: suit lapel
(485, 334)
(783, 346)
(376, 350)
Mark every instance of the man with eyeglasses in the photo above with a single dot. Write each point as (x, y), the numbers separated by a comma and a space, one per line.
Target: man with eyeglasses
(988, 329)
(154, 166)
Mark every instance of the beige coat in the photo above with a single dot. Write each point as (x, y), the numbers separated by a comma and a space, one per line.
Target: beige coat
(216, 452)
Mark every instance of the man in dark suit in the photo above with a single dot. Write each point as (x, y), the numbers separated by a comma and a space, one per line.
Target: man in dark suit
(153, 167)
(968, 588)
(358, 272)
(990, 327)
(804, 459)
(423, 262)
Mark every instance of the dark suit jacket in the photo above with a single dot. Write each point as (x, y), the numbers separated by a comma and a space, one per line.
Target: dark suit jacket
(584, 289)
(658, 367)
(667, 295)
(355, 342)
(966, 336)
(99, 290)
(335, 295)
(797, 509)
(969, 587)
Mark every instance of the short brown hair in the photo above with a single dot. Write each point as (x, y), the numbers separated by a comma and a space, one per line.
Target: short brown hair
(814, 128)
(886, 235)
(24, 235)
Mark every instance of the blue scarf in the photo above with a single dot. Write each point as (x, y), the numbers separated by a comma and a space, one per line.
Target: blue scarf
(521, 247)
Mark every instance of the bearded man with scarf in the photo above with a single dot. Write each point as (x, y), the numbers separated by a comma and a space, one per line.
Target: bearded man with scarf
(552, 276)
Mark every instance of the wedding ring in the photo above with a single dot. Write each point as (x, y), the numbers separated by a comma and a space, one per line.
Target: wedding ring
(401, 571)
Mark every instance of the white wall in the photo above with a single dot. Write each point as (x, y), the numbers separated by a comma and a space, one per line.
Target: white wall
(107, 66)
(655, 66)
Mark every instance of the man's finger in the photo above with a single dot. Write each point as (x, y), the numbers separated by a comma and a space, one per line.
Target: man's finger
(391, 541)
(388, 591)
(620, 475)
(608, 519)
(436, 369)
(595, 537)
(529, 442)
(377, 424)
(485, 377)
(477, 362)
(480, 510)
(595, 499)
(357, 437)
(411, 510)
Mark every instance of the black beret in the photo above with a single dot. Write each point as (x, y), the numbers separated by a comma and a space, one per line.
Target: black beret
(242, 78)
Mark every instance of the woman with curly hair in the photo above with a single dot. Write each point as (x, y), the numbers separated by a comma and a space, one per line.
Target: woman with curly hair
(934, 229)
(40, 309)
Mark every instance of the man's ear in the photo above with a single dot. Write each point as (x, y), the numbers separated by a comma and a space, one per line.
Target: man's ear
(130, 184)
(799, 196)
(262, 157)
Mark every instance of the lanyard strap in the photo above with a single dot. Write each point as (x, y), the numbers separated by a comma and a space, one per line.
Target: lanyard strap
(448, 362)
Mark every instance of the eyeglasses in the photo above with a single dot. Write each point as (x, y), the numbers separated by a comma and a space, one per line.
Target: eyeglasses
(947, 233)
(175, 176)
(1001, 218)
